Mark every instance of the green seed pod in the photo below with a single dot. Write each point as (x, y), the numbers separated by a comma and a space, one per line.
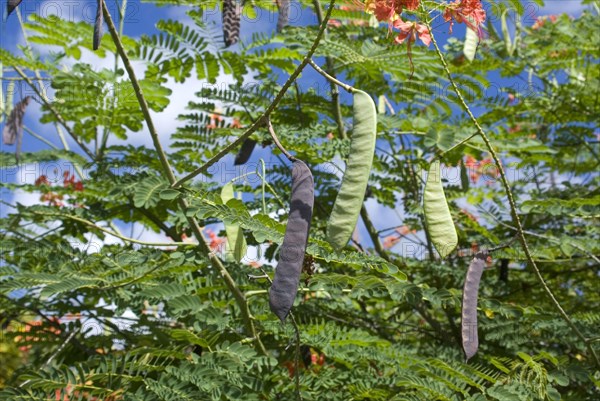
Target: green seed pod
(470, 338)
(437, 213)
(291, 256)
(354, 184)
(235, 236)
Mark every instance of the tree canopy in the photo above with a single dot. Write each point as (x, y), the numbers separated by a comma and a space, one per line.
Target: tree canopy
(147, 191)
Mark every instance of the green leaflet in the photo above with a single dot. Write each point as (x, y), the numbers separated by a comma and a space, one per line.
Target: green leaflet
(235, 238)
(437, 214)
(354, 184)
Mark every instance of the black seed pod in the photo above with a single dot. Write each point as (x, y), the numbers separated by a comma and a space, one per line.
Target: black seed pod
(291, 257)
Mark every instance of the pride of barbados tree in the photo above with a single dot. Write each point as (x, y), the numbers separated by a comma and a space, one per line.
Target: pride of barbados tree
(412, 212)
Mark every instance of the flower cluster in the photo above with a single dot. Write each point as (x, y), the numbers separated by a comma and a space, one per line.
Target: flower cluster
(53, 198)
(470, 12)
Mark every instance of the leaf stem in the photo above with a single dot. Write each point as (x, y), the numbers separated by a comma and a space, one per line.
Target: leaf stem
(277, 143)
(511, 202)
(329, 77)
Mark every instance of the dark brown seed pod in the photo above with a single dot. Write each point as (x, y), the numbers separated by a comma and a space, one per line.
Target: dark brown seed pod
(291, 256)
(98, 26)
(11, 5)
(245, 152)
(470, 338)
(284, 14)
(13, 129)
(232, 12)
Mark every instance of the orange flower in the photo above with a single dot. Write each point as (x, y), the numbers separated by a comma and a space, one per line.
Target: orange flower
(470, 12)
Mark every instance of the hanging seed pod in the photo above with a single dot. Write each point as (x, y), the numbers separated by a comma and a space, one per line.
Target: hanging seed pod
(98, 26)
(291, 256)
(470, 338)
(232, 12)
(437, 213)
(235, 236)
(11, 5)
(245, 152)
(13, 129)
(350, 198)
(284, 14)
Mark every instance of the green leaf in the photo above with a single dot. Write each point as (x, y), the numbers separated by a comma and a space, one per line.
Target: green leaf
(169, 194)
(147, 192)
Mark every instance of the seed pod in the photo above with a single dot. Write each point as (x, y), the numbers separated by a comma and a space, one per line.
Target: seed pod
(470, 339)
(235, 236)
(245, 152)
(231, 22)
(354, 184)
(291, 256)
(437, 213)
(11, 5)
(98, 26)
(284, 14)
(13, 129)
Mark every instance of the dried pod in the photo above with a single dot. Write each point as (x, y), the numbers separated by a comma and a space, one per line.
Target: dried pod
(245, 152)
(232, 12)
(291, 256)
(13, 129)
(350, 198)
(284, 14)
(98, 26)
(470, 339)
(11, 5)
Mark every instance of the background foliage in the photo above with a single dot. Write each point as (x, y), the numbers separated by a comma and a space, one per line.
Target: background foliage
(89, 316)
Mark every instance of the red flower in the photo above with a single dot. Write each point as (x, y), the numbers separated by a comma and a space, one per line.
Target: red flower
(470, 12)
(216, 242)
(41, 180)
(410, 4)
(411, 30)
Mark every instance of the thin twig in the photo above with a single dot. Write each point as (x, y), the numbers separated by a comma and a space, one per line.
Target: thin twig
(297, 351)
(112, 233)
(330, 78)
(277, 143)
(260, 121)
(512, 204)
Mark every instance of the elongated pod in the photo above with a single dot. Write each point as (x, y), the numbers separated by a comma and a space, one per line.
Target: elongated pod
(350, 198)
(291, 256)
(98, 26)
(437, 213)
(245, 152)
(232, 12)
(470, 339)
(11, 5)
(13, 128)
(235, 236)
(284, 14)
